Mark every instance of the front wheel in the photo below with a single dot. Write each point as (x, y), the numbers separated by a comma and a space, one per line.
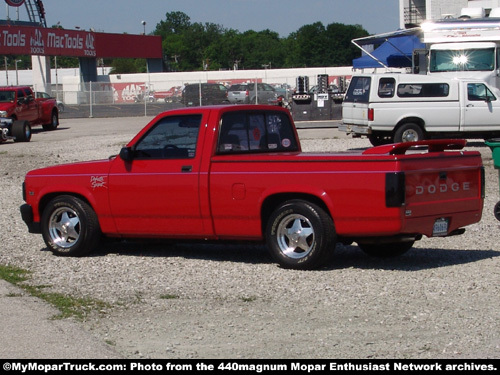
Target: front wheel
(300, 235)
(386, 250)
(70, 226)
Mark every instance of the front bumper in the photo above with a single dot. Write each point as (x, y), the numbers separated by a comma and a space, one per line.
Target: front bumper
(27, 216)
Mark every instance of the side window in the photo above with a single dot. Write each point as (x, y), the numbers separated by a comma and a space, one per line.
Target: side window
(386, 87)
(20, 94)
(423, 90)
(249, 132)
(171, 137)
(479, 92)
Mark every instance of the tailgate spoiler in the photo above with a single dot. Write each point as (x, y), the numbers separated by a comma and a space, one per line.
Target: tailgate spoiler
(436, 145)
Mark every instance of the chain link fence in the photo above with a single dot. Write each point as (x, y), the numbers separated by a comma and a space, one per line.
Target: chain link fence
(320, 100)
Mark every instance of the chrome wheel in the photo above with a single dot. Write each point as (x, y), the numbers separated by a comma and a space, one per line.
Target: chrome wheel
(410, 135)
(64, 227)
(295, 236)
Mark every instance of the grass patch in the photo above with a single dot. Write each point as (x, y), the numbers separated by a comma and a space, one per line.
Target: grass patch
(68, 306)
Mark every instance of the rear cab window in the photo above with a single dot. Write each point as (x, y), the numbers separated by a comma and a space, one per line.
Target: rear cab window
(359, 90)
(254, 132)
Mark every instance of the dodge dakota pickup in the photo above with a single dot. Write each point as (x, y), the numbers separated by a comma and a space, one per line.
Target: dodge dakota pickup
(20, 110)
(238, 173)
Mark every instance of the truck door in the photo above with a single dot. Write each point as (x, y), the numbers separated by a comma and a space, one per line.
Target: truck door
(481, 108)
(156, 192)
(26, 106)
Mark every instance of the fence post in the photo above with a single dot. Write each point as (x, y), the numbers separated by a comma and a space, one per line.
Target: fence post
(90, 99)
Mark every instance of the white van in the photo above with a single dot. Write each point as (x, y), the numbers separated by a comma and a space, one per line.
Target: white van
(393, 107)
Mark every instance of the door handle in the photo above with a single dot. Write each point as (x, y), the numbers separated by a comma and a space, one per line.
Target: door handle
(186, 168)
(470, 105)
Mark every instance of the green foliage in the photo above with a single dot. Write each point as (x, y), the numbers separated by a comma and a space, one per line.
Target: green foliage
(194, 46)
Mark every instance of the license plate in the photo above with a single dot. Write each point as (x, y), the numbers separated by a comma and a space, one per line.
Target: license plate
(440, 227)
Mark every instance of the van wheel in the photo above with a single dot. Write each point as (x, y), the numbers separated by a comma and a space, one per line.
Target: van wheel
(300, 235)
(409, 132)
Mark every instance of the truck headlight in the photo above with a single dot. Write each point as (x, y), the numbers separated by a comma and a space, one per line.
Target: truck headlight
(3, 113)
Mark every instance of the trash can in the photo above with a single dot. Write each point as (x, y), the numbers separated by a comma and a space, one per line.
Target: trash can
(494, 145)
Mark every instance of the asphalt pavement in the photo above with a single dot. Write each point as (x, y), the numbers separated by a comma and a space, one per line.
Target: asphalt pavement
(29, 330)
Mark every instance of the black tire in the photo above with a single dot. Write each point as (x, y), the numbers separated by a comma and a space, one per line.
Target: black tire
(496, 211)
(70, 226)
(300, 235)
(54, 121)
(379, 139)
(386, 250)
(21, 131)
(409, 132)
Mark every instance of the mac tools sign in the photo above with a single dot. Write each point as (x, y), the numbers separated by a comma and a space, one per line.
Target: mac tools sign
(22, 40)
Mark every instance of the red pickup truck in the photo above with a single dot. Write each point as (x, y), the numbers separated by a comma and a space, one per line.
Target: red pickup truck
(19, 110)
(238, 173)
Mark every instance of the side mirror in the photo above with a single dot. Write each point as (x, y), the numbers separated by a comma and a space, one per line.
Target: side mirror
(126, 154)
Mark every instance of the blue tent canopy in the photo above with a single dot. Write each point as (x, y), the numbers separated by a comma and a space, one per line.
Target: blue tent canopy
(395, 52)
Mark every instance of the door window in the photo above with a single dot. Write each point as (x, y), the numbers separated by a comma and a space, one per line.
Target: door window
(172, 137)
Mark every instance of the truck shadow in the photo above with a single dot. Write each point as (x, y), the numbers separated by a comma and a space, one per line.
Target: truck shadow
(345, 256)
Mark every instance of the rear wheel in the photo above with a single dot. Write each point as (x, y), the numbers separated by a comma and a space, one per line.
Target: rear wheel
(409, 132)
(300, 235)
(54, 121)
(386, 250)
(70, 226)
(21, 131)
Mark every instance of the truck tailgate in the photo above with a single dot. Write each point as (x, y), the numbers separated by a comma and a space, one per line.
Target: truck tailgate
(443, 196)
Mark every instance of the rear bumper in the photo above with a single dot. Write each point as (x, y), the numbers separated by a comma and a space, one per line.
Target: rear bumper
(356, 129)
(27, 216)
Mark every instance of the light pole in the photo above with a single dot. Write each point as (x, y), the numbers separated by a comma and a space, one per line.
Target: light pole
(17, 76)
(144, 26)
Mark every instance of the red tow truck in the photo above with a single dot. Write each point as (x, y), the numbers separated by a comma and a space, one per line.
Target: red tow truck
(20, 110)
(238, 173)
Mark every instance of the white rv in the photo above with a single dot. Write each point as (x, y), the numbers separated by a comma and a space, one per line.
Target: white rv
(464, 47)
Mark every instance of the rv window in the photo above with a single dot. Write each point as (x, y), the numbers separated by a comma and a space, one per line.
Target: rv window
(386, 87)
(423, 90)
(462, 60)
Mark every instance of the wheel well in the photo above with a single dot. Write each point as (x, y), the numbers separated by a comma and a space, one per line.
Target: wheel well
(47, 198)
(273, 202)
(410, 120)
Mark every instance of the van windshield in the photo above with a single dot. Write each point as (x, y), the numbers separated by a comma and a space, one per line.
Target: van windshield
(359, 90)
(462, 60)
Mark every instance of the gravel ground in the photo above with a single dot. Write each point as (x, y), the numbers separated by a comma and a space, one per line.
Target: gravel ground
(440, 300)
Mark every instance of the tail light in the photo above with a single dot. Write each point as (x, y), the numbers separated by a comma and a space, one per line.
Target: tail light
(371, 114)
(395, 189)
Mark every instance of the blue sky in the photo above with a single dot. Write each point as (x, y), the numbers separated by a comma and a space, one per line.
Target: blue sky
(282, 16)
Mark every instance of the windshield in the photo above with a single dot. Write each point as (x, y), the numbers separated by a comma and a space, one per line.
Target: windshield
(7, 96)
(462, 60)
